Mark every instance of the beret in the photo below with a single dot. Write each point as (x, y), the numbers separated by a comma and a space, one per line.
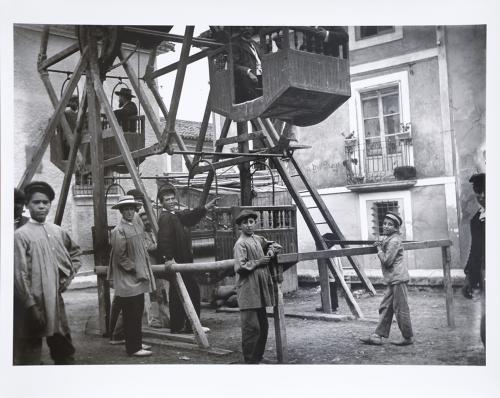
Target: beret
(39, 186)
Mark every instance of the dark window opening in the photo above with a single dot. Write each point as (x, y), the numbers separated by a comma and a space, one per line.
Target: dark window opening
(365, 32)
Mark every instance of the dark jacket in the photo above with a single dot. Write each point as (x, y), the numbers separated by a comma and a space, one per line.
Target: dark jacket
(123, 115)
(174, 235)
(475, 264)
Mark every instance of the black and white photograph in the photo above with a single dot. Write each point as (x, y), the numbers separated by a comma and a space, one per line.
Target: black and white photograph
(231, 196)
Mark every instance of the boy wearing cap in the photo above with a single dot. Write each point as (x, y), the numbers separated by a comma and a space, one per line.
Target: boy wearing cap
(254, 285)
(396, 277)
(130, 271)
(45, 261)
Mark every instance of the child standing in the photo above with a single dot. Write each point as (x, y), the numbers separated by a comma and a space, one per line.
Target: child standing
(396, 277)
(254, 286)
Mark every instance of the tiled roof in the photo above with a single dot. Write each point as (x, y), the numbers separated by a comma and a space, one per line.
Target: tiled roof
(190, 130)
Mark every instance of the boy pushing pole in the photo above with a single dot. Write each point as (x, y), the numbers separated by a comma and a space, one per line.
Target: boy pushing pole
(395, 271)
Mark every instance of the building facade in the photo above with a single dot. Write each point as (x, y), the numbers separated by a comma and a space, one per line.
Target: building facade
(407, 140)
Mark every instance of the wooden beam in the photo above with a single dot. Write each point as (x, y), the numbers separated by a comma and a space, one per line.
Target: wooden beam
(66, 129)
(124, 149)
(245, 174)
(173, 66)
(68, 51)
(191, 314)
(257, 135)
(148, 109)
(199, 42)
(70, 167)
(327, 216)
(53, 123)
(448, 287)
(98, 192)
(42, 55)
(211, 173)
(357, 251)
(154, 149)
(179, 81)
(267, 127)
(226, 163)
(203, 128)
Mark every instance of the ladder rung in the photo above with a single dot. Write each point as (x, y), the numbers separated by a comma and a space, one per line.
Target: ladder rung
(294, 175)
(322, 222)
(312, 207)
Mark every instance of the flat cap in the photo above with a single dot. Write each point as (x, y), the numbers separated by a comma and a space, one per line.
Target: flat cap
(244, 214)
(394, 217)
(166, 188)
(39, 186)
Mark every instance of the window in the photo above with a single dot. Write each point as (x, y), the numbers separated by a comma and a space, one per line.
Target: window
(379, 209)
(83, 184)
(362, 32)
(367, 36)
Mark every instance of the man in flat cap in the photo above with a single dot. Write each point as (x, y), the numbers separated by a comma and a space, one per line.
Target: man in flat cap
(254, 286)
(475, 267)
(174, 243)
(19, 199)
(45, 261)
(127, 110)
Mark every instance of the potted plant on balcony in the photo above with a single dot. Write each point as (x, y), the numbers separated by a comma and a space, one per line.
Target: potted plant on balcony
(405, 131)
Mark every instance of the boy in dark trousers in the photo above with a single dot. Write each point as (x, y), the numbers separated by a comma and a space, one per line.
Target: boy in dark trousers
(395, 301)
(254, 286)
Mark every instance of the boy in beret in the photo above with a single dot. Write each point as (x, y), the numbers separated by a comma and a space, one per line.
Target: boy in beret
(254, 286)
(45, 261)
(396, 277)
(475, 267)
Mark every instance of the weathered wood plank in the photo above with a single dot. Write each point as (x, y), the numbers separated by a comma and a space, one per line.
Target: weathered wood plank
(448, 287)
(59, 56)
(240, 138)
(173, 66)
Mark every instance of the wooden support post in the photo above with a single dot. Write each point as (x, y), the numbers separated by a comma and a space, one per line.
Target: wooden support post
(98, 192)
(124, 149)
(42, 55)
(199, 334)
(70, 167)
(175, 65)
(179, 81)
(203, 128)
(141, 95)
(448, 287)
(53, 123)
(211, 175)
(279, 316)
(245, 175)
(324, 281)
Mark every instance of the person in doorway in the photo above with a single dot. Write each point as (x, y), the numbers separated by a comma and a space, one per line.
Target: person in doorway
(46, 260)
(174, 243)
(127, 110)
(396, 277)
(475, 267)
(254, 286)
(130, 271)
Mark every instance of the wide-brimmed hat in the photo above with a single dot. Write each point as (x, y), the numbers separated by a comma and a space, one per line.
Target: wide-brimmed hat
(125, 92)
(39, 186)
(394, 217)
(244, 214)
(126, 200)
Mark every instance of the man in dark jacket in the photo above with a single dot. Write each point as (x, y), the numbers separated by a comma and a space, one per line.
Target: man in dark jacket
(475, 267)
(127, 110)
(247, 66)
(174, 243)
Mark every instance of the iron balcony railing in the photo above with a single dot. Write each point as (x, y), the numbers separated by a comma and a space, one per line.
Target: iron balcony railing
(374, 159)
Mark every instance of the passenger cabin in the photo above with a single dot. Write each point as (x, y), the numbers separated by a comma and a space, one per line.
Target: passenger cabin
(301, 83)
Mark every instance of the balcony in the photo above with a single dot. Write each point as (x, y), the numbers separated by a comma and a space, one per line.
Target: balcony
(374, 160)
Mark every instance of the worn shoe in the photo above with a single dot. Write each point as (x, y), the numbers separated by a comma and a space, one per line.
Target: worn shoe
(403, 342)
(142, 353)
(146, 347)
(373, 339)
(116, 342)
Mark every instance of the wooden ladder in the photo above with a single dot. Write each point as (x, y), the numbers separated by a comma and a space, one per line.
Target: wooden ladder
(270, 140)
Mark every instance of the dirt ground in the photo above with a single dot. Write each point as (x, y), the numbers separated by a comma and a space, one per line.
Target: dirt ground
(309, 341)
